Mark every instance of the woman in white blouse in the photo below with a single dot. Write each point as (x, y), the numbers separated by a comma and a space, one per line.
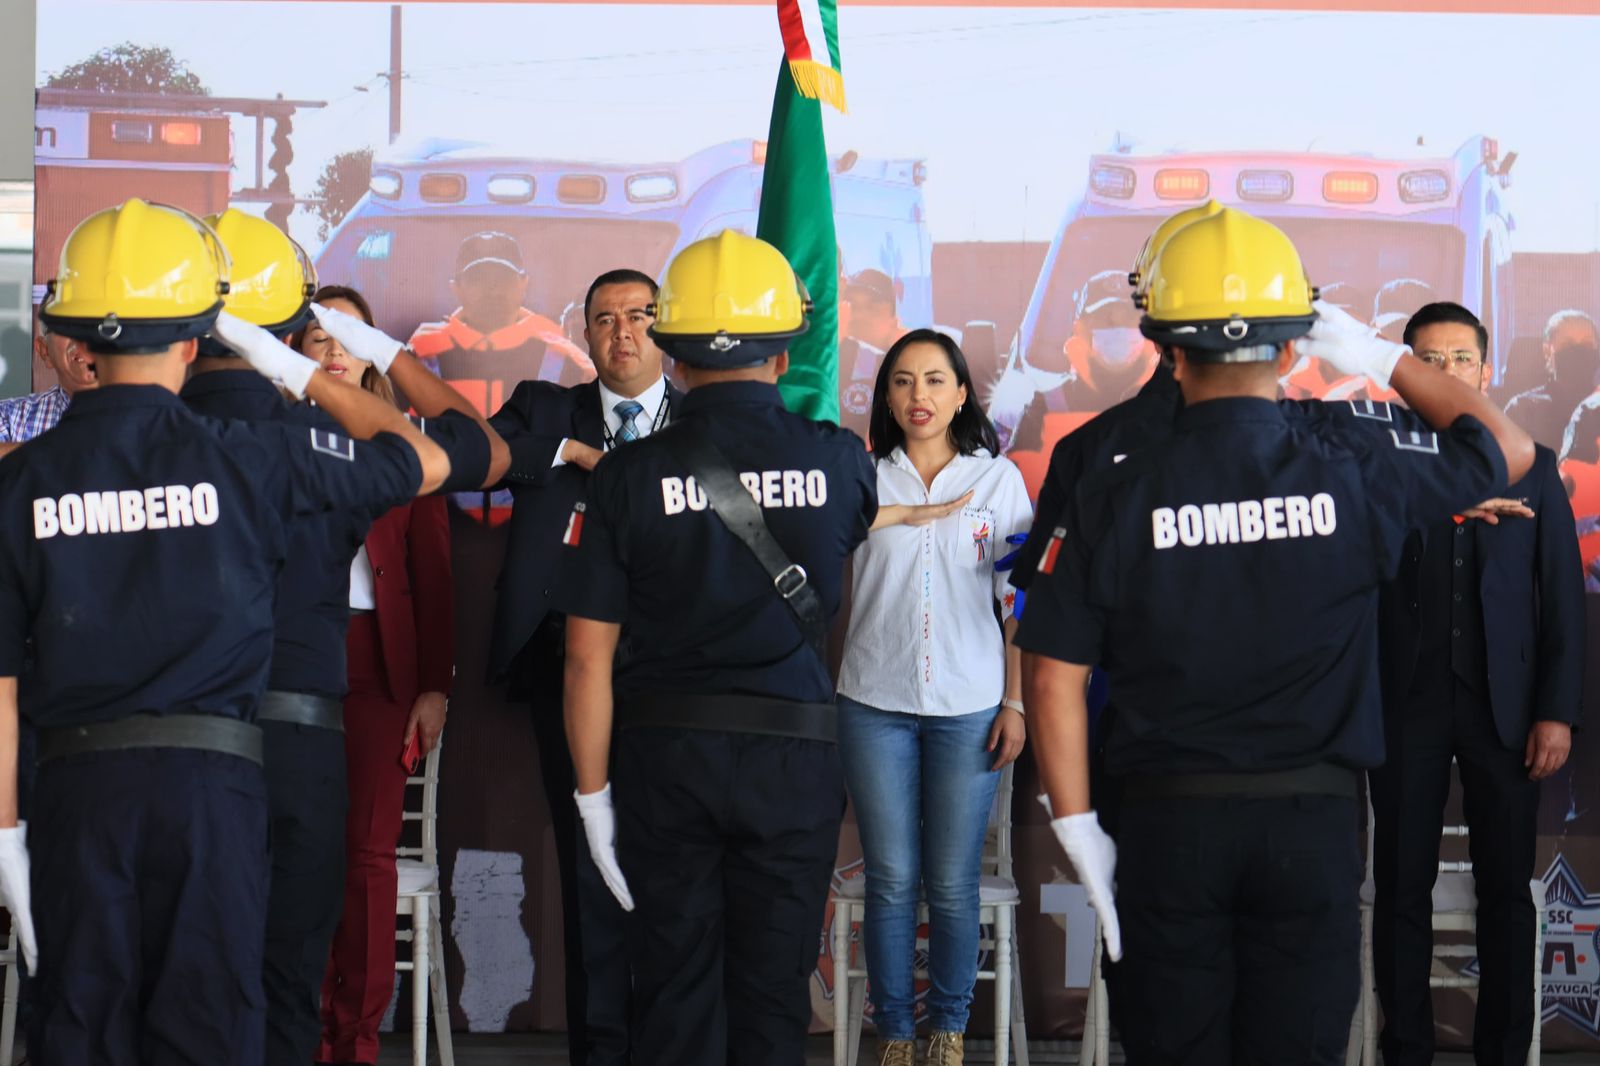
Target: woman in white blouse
(930, 686)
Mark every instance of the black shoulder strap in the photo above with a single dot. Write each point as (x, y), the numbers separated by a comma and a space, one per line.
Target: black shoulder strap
(733, 504)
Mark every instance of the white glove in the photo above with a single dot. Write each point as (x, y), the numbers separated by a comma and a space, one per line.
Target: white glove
(1094, 856)
(272, 358)
(1350, 346)
(14, 890)
(367, 343)
(600, 826)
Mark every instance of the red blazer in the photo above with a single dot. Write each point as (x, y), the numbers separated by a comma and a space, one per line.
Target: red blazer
(409, 547)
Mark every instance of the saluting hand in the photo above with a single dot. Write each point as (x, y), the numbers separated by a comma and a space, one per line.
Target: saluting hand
(1349, 346)
(365, 342)
(270, 357)
(1548, 746)
(1007, 737)
(918, 514)
(580, 454)
(427, 715)
(1492, 510)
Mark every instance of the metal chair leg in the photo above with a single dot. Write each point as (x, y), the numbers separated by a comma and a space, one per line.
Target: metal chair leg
(1002, 985)
(8, 1013)
(1088, 1055)
(421, 908)
(841, 983)
(441, 994)
(1369, 1013)
(1019, 1021)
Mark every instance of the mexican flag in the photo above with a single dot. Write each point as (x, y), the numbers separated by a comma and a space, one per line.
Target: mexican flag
(796, 200)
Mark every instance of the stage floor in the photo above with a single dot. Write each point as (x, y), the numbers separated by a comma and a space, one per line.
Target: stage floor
(551, 1050)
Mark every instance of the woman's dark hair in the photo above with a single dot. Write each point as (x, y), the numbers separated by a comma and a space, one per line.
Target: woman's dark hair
(371, 379)
(346, 293)
(970, 429)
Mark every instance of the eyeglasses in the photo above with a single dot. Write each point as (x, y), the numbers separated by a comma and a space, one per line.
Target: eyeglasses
(1461, 358)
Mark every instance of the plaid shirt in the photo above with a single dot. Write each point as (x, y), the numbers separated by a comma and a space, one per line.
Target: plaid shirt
(25, 417)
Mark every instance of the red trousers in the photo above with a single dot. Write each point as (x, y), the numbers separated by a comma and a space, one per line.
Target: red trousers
(360, 979)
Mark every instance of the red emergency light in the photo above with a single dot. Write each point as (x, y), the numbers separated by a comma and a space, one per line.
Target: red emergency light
(1349, 187)
(1175, 184)
(181, 134)
(443, 188)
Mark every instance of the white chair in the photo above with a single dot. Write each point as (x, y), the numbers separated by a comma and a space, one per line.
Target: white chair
(8, 1013)
(1096, 1047)
(998, 899)
(418, 868)
(1455, 904)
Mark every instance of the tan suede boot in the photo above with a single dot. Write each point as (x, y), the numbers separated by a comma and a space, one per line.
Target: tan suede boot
(897, 1053)
(946, 1049)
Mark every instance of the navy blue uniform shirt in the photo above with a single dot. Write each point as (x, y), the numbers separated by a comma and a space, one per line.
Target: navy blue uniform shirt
(312, 609)
(1227, 579)
(1109, 436)
(140, 546)
(702, 615)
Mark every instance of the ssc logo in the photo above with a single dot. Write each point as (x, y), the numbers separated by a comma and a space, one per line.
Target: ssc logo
(1569, 959)
(858, 398)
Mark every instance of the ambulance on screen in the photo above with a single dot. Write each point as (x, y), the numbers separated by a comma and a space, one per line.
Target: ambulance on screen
(576, 219)
(1380, 236)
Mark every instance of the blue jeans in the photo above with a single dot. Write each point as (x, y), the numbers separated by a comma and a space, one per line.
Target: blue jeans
(922, 789)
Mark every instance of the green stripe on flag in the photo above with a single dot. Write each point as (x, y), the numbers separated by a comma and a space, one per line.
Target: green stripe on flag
(830, 29)
(797, 218)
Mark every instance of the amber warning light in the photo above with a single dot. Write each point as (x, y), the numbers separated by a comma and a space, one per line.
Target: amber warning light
(1349, 187)
(1182, 184)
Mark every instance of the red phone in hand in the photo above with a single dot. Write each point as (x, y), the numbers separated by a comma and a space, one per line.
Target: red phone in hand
(411, 756)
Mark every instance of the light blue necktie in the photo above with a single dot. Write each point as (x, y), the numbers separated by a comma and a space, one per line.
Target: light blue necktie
(628, 410)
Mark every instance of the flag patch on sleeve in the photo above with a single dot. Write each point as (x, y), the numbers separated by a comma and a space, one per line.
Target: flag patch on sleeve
(574, 526)
(1047, 561)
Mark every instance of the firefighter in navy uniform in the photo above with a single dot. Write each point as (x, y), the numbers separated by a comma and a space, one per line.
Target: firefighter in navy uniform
(728, 789)
(301, 715)
(139, 544)
(1226, 578)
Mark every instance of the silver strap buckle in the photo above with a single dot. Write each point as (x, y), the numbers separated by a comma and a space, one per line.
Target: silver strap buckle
(790, 580)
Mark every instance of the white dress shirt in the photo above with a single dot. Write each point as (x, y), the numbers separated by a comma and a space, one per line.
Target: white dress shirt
(923, 637)
(650, 399)
(363, 590)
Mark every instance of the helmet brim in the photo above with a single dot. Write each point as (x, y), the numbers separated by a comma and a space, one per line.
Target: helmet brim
(210, 346)
(111, 335)
(1226, 334)
(723, 351)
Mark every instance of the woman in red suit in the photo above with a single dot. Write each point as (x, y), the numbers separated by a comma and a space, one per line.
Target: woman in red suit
(401, 661)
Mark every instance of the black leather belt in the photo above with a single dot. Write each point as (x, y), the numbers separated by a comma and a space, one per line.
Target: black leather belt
(300, 708)
(1323, 779)
(727, 713)
(201, 732)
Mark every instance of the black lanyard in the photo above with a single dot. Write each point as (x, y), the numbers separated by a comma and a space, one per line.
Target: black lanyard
(611, 442)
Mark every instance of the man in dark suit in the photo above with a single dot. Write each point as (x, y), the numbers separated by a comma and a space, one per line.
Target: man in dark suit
(556, 436)
(1482, 640)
